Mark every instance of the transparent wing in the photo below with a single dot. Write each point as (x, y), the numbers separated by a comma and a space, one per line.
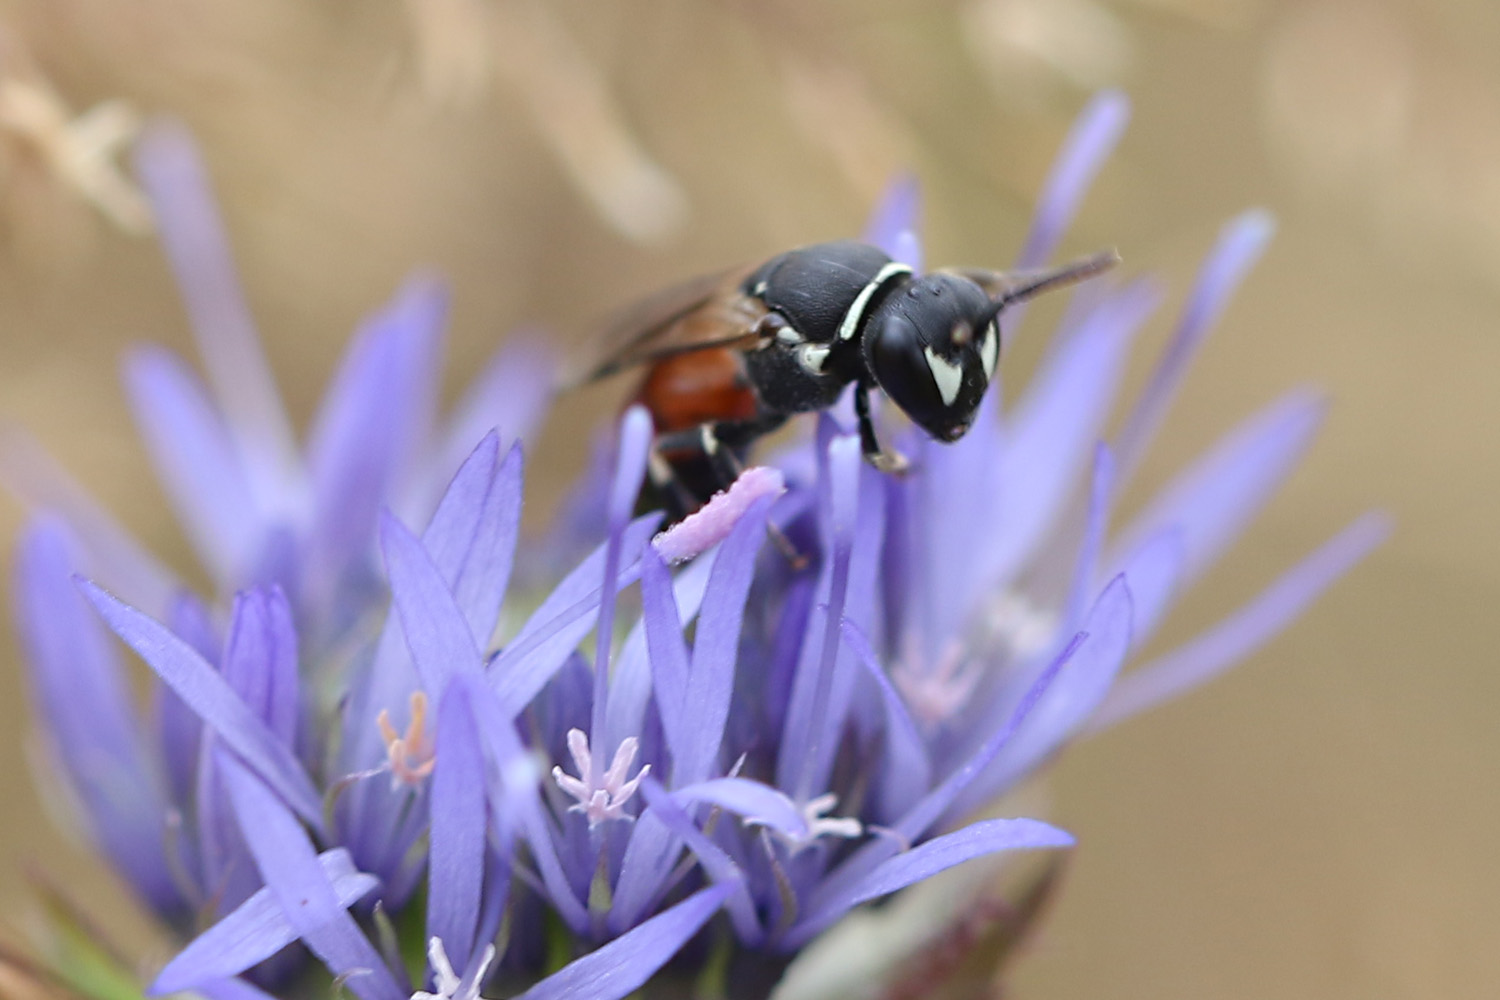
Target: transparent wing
(699, 314)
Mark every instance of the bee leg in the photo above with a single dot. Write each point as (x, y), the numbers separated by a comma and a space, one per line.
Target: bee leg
(892, 462)
(725, 444)
(687, 467)
(668, 488)
(701, 465)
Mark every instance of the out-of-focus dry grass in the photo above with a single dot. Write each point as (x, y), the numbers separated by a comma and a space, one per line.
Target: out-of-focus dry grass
(1320, 824)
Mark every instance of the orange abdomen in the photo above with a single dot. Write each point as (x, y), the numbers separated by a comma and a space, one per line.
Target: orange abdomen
(698, 388)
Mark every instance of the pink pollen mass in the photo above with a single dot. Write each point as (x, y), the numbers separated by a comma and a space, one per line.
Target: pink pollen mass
(712, 523)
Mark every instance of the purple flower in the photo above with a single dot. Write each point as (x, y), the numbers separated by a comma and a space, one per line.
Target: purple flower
(289, 536)
(751, 745)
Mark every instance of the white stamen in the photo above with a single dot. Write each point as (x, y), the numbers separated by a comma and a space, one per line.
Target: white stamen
(600, 797)
(449, 985)
(948, 376)
(934, 693)
(856, 311)
(819, 825)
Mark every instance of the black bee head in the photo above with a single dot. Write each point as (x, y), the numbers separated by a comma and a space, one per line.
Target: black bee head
(932, 348)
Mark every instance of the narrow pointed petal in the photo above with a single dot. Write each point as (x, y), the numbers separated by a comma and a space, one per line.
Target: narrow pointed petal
(1155, 574)
(907, 772)
(106, 550)
(196, 461)
(459, 521)
(260, 660)
(302, 889)
(1089, 143)
(515, 796)
(635, 674)
(436, 632)
(653, 848)
(224, 860)
(207, 693)
(1067, 704)
(464, 540)
(716, 649)
(485, 569)
(926, 860)
(630, 470)
(752, 800)
(623, 966)
(910, 828)
(193, 237)
(1053, 429)
(668, 653)
(556, 628)
(1095, 523)
(372, 418)
(455, 866)
(509, 396)
(809, 738)
(84, 701)
(1215, 498)
(1245, 631)
(1241, 242)
(896, 224)
(231, 989)
(253, 932)
(179, 731)
(719, 866)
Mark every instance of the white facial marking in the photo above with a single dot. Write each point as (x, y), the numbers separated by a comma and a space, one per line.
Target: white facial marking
(948, 376)
(812, 356)
(710, 441)
(856, 311)
(759, 289)
(789, 336)
(989, 350)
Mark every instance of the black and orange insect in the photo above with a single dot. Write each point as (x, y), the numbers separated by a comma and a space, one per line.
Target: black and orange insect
(732, 356)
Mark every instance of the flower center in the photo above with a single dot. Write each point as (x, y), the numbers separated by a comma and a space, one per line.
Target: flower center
(410, 754)
(600, 796)
(935, 693)
(451, 986)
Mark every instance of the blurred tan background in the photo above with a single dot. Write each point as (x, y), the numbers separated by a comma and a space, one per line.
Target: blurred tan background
(1322, 823)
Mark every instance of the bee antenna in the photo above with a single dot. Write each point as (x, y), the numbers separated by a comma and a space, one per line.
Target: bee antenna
(1034, 283)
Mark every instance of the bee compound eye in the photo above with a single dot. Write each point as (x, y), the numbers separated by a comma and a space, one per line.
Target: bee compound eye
(894, 352)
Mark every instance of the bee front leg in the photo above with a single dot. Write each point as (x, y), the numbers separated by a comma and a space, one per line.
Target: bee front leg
(892, 462)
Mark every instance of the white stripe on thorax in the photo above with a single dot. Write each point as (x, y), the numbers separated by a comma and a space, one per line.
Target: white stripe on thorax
(856, 313)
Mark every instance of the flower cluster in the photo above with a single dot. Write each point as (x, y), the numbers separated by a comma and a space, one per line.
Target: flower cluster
(375, 743)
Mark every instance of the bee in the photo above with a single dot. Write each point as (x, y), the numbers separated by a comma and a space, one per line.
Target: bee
(730, 357)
